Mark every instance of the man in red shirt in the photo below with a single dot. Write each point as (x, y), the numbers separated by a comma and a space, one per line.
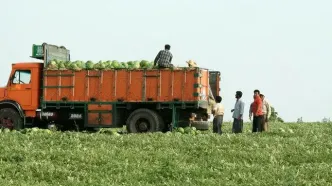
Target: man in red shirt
(257, 110)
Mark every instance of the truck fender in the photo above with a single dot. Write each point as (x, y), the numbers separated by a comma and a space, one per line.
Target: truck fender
(12, 104)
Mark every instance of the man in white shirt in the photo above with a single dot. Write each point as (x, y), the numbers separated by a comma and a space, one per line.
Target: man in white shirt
(218, 113)
(266, 112)
(238, 113)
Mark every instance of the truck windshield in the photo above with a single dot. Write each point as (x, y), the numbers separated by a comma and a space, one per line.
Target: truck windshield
(22, 77)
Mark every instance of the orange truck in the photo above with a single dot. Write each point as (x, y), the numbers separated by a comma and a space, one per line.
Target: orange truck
(145, 100)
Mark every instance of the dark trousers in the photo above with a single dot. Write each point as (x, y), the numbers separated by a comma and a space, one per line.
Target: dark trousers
(257, 124)
(237, 125)
(166, 66)
(217, 123)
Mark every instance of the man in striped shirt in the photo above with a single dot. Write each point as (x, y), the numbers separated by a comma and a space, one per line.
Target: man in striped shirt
(164, 58)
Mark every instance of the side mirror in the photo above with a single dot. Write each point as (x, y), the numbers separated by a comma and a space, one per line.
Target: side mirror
(12, 77)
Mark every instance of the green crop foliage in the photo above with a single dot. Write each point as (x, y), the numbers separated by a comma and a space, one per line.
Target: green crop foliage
(289, 154)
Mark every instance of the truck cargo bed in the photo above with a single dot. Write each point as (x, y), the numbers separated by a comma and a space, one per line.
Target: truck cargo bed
(155, 85)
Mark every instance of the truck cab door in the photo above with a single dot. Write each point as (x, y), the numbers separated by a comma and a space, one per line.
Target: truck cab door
(19, 88)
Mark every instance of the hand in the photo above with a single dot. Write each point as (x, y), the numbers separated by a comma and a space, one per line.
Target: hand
(250, 118)
(232, 110)
(240, 117)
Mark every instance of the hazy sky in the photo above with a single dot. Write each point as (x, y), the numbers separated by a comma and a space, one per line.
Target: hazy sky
(281, 47)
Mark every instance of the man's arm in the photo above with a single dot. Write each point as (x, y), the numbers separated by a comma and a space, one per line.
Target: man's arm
(268, 108)
(214, 110)
(250, 111)
(171, 57)
(241, 109)
(156, 59)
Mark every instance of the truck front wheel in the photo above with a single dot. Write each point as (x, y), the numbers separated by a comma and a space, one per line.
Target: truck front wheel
(144, 120)
(10, 119)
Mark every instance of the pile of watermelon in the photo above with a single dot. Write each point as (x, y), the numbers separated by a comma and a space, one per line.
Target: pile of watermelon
(101, 65)
(187, 130)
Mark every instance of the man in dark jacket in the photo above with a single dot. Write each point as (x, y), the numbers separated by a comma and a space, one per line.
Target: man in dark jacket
(164, 58)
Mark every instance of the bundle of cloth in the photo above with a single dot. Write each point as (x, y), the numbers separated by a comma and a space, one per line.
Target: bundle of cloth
(191, 63)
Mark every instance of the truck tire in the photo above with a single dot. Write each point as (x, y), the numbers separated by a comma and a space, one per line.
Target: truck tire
(144, 120)
(201, 125)
(10, 119)
(162, 126)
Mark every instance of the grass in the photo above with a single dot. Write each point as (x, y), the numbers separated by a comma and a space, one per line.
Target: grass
(290, 154)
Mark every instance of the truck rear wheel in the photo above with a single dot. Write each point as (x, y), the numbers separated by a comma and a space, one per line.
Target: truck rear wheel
(144, 120)
(10, 119)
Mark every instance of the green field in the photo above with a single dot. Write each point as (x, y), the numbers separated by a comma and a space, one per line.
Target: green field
(290, 154)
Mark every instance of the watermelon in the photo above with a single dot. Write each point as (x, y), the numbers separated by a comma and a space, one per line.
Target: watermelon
(100, 66)
(89, 65)
(52, 65)
(116, 64)
(144, 64)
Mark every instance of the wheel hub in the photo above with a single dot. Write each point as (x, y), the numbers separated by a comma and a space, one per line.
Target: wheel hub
(143, 126)
(6, 123)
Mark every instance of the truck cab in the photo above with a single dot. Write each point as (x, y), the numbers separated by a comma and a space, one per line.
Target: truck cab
(20, 97)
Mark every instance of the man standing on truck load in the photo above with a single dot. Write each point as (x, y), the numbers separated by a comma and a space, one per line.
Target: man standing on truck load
(238, 113)
(266, 112)
(164, 58)
(257, 109)
(218, 115)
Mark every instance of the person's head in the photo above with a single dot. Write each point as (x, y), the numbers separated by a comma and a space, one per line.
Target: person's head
(256, 92)
(218, 99)
(167, 47)
(238, 94)
(262, 96)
